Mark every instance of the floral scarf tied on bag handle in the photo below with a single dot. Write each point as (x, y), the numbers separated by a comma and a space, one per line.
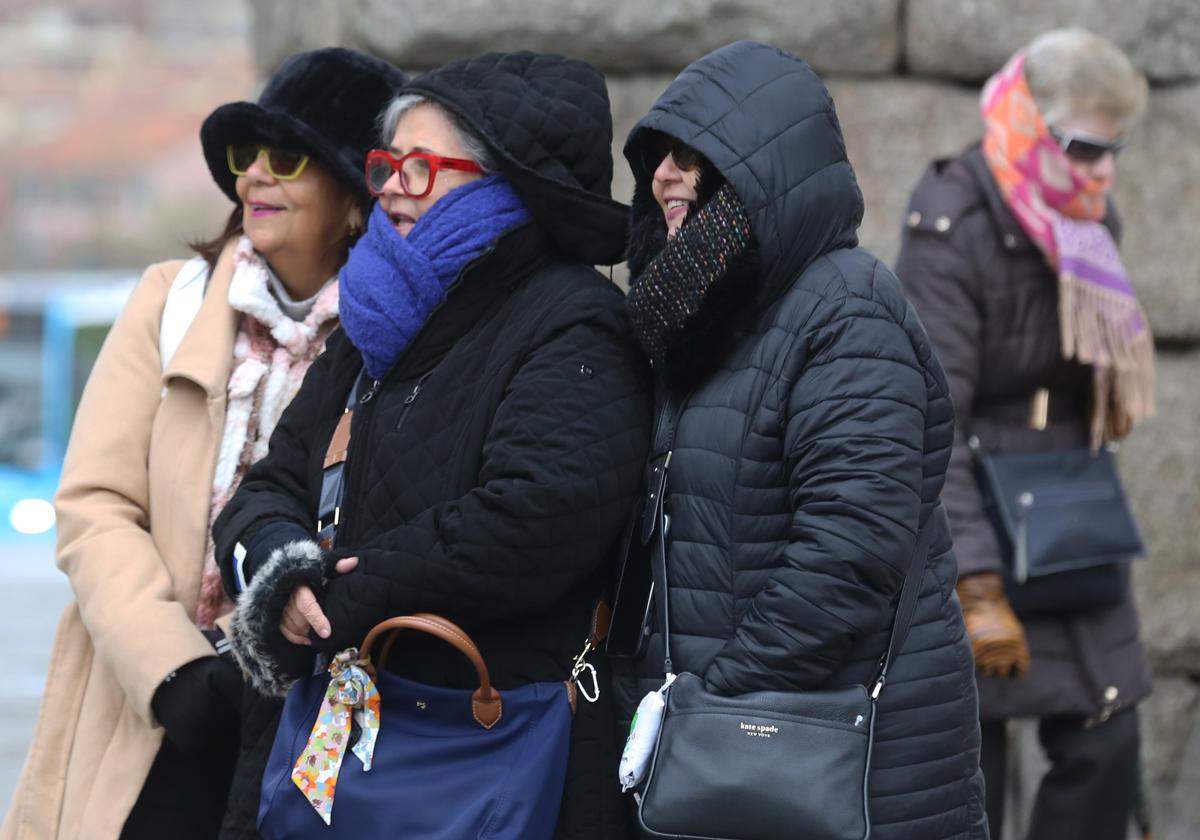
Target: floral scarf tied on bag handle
(351, 694)
(1101, 321)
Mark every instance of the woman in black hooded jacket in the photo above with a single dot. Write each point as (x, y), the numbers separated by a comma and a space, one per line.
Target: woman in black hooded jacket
(815, 432)
(495, 452)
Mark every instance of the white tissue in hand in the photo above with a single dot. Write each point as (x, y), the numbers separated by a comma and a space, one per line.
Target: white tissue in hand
(643, 733)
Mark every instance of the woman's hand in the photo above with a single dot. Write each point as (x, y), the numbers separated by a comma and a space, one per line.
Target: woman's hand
(996, 634)
(303, 613)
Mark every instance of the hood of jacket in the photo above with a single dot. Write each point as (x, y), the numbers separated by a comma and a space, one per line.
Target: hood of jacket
(547, 118)
(767, 123)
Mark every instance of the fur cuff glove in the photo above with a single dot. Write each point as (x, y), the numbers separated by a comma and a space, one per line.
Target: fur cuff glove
(270, 662)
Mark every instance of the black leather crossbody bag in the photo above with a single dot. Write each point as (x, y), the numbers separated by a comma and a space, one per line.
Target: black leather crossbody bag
(1065, 525)
(769, 765)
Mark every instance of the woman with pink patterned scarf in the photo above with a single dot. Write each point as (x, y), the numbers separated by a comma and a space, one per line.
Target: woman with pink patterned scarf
(1009, 254)
(139, 727)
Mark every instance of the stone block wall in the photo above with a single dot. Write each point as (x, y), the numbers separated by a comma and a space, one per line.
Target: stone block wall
(905, 76)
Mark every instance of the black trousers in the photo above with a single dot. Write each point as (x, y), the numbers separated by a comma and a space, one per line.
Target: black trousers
(1088, 793)
(184, 796)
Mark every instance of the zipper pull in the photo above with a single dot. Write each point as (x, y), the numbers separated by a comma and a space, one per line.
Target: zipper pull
(366, 398)
(413, 396)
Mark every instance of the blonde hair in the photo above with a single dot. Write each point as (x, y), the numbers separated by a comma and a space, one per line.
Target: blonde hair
(1072, 71)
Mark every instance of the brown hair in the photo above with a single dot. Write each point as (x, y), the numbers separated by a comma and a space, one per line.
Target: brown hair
(210, 249)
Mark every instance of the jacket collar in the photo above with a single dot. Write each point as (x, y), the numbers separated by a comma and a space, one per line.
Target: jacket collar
(206, 352)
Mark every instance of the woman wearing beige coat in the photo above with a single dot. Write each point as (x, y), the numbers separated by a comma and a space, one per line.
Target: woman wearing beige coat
(159, 445)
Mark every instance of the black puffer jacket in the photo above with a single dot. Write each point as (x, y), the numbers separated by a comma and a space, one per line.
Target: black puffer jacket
(804, 463)
(990, 303)
(490, 473)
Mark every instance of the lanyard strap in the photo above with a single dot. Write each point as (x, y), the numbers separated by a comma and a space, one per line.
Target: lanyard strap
(656, 527)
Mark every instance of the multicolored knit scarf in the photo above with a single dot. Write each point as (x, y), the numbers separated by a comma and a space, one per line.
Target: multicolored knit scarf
(674, 285)
(1101, 321)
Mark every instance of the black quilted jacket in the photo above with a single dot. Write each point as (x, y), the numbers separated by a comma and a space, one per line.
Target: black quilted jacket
(804, 462)
(990, 302)
(490, 472)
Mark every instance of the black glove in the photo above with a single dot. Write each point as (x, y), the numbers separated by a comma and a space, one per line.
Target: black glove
(199, 705)
(260, 543)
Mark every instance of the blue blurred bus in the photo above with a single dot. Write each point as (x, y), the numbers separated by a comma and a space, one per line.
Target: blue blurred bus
(51, 327)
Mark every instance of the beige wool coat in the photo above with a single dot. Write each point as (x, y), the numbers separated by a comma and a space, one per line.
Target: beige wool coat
(133, 510)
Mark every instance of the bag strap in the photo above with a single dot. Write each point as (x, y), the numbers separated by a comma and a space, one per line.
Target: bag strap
(655, 519)
(333, 473)
(179, 310)
(907, 604)
(656, 526)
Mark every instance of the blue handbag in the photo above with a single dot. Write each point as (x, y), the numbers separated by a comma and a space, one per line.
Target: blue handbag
(448, 764)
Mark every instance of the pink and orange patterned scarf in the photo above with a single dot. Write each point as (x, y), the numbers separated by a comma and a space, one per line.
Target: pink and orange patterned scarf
(1101, 321)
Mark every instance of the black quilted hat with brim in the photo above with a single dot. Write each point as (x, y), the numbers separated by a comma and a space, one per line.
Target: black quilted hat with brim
(324, 103)
(547, 118)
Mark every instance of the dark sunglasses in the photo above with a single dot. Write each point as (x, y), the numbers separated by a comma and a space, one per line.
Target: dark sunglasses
(655, 151)
(1086, 148)
(284, 165)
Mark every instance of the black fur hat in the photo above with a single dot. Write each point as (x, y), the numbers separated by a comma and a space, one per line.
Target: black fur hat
(323, 102)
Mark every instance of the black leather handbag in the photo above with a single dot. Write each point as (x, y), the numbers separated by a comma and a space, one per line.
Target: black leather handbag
(769, 765)
(1065, 525)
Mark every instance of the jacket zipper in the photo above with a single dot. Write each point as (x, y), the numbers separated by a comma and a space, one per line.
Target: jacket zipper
(370, 394)
(410, 399)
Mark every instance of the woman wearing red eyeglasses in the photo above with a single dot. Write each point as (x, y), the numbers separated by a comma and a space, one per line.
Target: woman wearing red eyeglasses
(500, 415)
(139, 724)
(1009, 256)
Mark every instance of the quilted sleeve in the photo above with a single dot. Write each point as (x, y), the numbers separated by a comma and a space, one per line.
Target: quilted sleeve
(937, 276)
(854, 443)
(561, 466)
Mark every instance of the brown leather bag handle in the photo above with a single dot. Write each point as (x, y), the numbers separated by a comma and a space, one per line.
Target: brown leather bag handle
(486, 704)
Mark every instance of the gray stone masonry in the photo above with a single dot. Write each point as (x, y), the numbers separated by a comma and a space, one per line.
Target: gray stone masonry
(839, 36)
(969, 39)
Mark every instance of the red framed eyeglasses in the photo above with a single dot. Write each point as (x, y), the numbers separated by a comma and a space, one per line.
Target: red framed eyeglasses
(418, 170)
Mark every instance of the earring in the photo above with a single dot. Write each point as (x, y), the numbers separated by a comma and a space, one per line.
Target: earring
(355, 225)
